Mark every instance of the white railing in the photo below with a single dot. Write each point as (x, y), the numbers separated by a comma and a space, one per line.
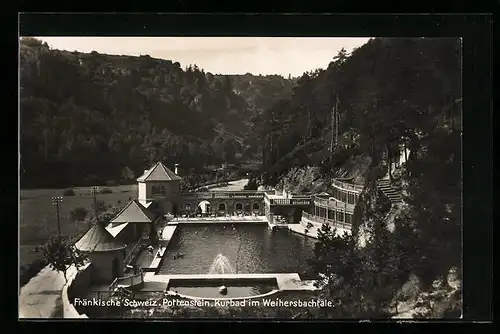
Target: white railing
(322, 220)
(347, 186)
(333, 204)
(224, 194)
(290, 201)
(127, 281)
(133, 252)
(295, 200)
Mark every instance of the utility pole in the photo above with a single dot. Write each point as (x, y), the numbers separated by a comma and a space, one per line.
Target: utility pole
(333, 131)
(57, 200)
(337, 121)
(94, 190)
(335, 125)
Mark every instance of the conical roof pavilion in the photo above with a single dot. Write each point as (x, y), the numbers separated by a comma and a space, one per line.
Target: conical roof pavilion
(98, 239)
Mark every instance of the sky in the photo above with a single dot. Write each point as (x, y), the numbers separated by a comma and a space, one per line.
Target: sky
(221, 55)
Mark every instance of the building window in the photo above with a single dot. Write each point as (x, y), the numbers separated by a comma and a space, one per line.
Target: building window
(158, 189)
(350, 198)
(238, 206)
(222, 207)
(255, 206)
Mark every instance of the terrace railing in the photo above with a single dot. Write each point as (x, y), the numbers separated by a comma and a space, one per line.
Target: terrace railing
(331, 222)
(294, 200)
(290, 201)
(134, 252)
(224, 194)
(333, 204)
(127, 281)
(347, 186)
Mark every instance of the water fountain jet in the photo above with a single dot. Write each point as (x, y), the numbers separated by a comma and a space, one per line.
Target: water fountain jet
(221, 265)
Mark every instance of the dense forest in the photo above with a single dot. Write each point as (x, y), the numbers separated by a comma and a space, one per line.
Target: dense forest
(388, 94)
(85, 118)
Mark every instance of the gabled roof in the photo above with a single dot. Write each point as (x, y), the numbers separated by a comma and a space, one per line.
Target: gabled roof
(97, 239)
(133, 212)
(114, 230)
(159, 172)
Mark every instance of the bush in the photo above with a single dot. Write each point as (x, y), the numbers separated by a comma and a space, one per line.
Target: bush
(106, 191)
(78, 214)
(251, 185)
(99, 206)
(31, 270)
(69, 192)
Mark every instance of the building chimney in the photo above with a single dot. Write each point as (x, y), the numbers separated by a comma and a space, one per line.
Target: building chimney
(176, 171)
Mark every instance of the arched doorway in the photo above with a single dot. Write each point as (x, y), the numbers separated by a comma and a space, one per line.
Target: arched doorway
(255, 207)
(221, 207)
(238, 206)
(205, 207)
(115, 268)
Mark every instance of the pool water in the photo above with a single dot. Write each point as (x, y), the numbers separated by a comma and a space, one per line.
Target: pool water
(249, 248)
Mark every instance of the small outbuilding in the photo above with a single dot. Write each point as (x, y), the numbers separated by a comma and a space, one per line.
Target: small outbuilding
(105, 253)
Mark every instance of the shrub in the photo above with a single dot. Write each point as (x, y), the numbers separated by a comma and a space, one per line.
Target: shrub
(251, 185)
(69, 192)
(99, 206)
(78, 214)
(106, 191)
(60, 253)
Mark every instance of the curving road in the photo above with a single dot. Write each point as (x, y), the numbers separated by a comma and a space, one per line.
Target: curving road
(233, 186)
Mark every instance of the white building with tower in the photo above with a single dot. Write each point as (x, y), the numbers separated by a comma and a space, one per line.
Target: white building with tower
(161, 186)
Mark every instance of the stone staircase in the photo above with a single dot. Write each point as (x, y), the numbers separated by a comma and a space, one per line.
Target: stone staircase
(394, 196)
(385, 186)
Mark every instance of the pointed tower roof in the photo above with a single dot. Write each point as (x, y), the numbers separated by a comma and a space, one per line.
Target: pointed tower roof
(97, 239)
(133, 212)
(159, 172)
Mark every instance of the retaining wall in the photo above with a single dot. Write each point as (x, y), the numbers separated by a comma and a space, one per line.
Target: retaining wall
(78, 282)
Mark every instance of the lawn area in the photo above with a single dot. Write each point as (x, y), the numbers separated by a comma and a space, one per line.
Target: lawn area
(38, 216)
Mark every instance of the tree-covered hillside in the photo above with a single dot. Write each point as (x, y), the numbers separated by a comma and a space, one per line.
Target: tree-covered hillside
(389, 94)
(386, 90)
(85, 117)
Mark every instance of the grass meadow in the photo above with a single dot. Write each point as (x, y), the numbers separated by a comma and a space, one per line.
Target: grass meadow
(38, 220)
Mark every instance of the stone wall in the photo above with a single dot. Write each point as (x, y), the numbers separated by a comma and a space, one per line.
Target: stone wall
(341, 228)
(103, 264)
(77, 284)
